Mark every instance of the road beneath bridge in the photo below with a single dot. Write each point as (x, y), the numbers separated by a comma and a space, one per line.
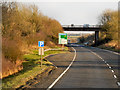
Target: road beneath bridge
(95, 28)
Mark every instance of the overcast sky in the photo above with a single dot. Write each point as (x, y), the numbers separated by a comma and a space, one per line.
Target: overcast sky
(74, 11)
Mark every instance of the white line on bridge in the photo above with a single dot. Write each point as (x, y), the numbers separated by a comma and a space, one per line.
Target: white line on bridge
(63, 72)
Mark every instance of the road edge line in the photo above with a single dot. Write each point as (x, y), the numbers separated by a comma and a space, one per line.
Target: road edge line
(63, 72)
(107, 50)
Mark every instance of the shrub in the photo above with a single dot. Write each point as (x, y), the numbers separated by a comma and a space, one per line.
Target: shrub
(24, 26)
(11, 50)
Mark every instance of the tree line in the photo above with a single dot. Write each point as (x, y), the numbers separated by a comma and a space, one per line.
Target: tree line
(109, 21)
(23, 26)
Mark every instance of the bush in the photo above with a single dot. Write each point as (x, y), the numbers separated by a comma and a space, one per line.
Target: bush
(102, 41)
(23, 27)
(11, 50)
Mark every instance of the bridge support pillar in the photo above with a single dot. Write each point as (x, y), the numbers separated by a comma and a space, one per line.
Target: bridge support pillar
(96, 37)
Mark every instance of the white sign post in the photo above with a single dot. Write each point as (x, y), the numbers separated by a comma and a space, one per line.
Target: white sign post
(41, 49)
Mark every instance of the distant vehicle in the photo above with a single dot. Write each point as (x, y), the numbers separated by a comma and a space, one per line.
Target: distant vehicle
(86, 25)
(68, 41)
(86, 43)
(72, 25)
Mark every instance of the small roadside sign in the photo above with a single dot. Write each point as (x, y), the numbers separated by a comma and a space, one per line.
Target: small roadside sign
(41, 51)
(62, 38)
(40, 43)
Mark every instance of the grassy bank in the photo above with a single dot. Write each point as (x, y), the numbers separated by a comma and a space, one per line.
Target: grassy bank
(31, 68)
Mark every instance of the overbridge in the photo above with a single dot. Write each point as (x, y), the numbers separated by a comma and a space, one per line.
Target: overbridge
(95, 28)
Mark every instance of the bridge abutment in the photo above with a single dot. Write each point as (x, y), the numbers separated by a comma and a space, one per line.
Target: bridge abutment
(96, 37)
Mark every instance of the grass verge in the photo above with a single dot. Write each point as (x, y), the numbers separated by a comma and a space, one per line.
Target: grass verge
(31, 68)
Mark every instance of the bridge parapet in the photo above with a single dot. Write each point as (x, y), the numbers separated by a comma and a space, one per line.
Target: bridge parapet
(86, 27)
(81, 26)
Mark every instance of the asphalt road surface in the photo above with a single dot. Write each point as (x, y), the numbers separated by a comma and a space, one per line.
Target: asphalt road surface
(92, 68)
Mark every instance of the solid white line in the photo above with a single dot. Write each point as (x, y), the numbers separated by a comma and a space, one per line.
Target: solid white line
(62, 73)
(115, 76)
(109, 51)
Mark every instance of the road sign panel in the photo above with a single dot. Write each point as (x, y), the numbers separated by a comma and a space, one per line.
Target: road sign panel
(62, 38)
(41, 43)
(41, 51)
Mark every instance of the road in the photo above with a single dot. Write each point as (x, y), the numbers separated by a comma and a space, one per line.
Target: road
(92, 68)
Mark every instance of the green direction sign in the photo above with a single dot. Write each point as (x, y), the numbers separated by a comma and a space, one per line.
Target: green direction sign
(62, 38)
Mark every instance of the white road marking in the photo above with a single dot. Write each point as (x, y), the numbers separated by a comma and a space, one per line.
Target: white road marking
(111, 52)
(108, 51)
(112, 71)
(118, 83)
(63, 72)
(115, 76)
(107, 65)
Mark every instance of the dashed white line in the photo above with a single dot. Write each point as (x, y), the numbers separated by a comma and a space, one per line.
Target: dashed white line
(115, 76)
(63, 72)
(112, 71)
(108, 66)
(118, 83)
